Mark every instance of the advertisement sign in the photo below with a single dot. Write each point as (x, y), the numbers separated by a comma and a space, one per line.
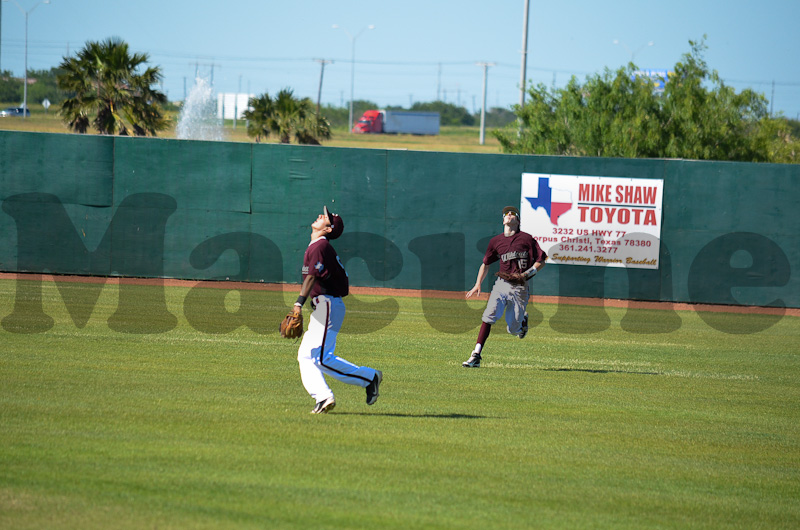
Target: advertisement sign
(659, 77)
(598, 221)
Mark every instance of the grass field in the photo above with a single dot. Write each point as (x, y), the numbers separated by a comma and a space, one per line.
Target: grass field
(450, 139)
(186, 429)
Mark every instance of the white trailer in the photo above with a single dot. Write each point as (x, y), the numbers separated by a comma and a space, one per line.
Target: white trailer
(410, 122)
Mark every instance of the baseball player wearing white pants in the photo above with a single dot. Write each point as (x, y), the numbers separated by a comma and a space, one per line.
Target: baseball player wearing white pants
(316, 356)
(326, 282)
(520, 258)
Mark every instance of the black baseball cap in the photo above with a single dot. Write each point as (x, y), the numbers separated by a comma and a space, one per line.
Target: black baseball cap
(511, 209)
(337, 225)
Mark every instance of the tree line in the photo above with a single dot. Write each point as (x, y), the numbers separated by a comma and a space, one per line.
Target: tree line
(623, 114)
(107, 88)
(45, 87)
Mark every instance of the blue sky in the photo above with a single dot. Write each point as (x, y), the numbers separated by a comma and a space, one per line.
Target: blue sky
(419, 50)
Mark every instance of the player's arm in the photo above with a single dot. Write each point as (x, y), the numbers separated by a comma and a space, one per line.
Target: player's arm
(482, 272)
(530, 273)
(305, 289)
(539, 265)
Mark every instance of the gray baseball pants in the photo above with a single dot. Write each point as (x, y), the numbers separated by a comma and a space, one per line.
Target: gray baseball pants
(508, 298)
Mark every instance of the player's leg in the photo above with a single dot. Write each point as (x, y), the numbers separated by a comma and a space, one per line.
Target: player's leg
(525, 298)
(310, 373)
(332, 310)
(474, 360)
(494, 309)
(516, 316)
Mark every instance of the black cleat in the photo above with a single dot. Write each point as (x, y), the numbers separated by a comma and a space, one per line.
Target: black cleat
(474, 361)
(372, 388)
(524, 330)
(324, 406)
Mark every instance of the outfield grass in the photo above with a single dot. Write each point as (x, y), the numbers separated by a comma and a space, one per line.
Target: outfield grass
(450, 139)
(689, 429)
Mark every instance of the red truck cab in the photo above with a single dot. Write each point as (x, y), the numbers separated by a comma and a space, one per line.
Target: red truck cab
(370, 122)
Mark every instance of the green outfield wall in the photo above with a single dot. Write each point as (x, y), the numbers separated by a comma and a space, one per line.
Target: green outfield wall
(142, 207)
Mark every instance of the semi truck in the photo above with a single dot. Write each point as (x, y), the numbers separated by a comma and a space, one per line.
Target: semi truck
(398, 122)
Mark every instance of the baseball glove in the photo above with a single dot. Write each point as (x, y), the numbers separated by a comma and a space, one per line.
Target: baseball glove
(292, 324)
(515, 278)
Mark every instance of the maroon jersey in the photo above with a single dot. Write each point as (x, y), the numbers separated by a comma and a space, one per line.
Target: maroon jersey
(516, 253)
(322, 261)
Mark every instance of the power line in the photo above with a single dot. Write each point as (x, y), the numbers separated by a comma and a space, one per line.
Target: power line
(429, 77)
(11, 45)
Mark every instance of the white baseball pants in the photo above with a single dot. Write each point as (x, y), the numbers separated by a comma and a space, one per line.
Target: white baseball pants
(316, 356)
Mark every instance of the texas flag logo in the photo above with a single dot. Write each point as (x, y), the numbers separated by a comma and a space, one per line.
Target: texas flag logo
(555, 202)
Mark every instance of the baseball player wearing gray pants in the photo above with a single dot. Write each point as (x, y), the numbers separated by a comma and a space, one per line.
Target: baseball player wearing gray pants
(520, 258)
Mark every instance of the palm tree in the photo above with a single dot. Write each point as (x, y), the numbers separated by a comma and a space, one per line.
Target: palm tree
(259, 117)
(289, 114)
(286, 116)
(313, 129)
(106, 91)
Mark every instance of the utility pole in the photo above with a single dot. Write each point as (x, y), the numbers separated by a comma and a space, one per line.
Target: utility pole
(197, 66)
(322, 63)
(483, 107)
(439, 83)
(236, 102)
(524, 66)
(353, 64)
(26, 14)
(772, 99)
